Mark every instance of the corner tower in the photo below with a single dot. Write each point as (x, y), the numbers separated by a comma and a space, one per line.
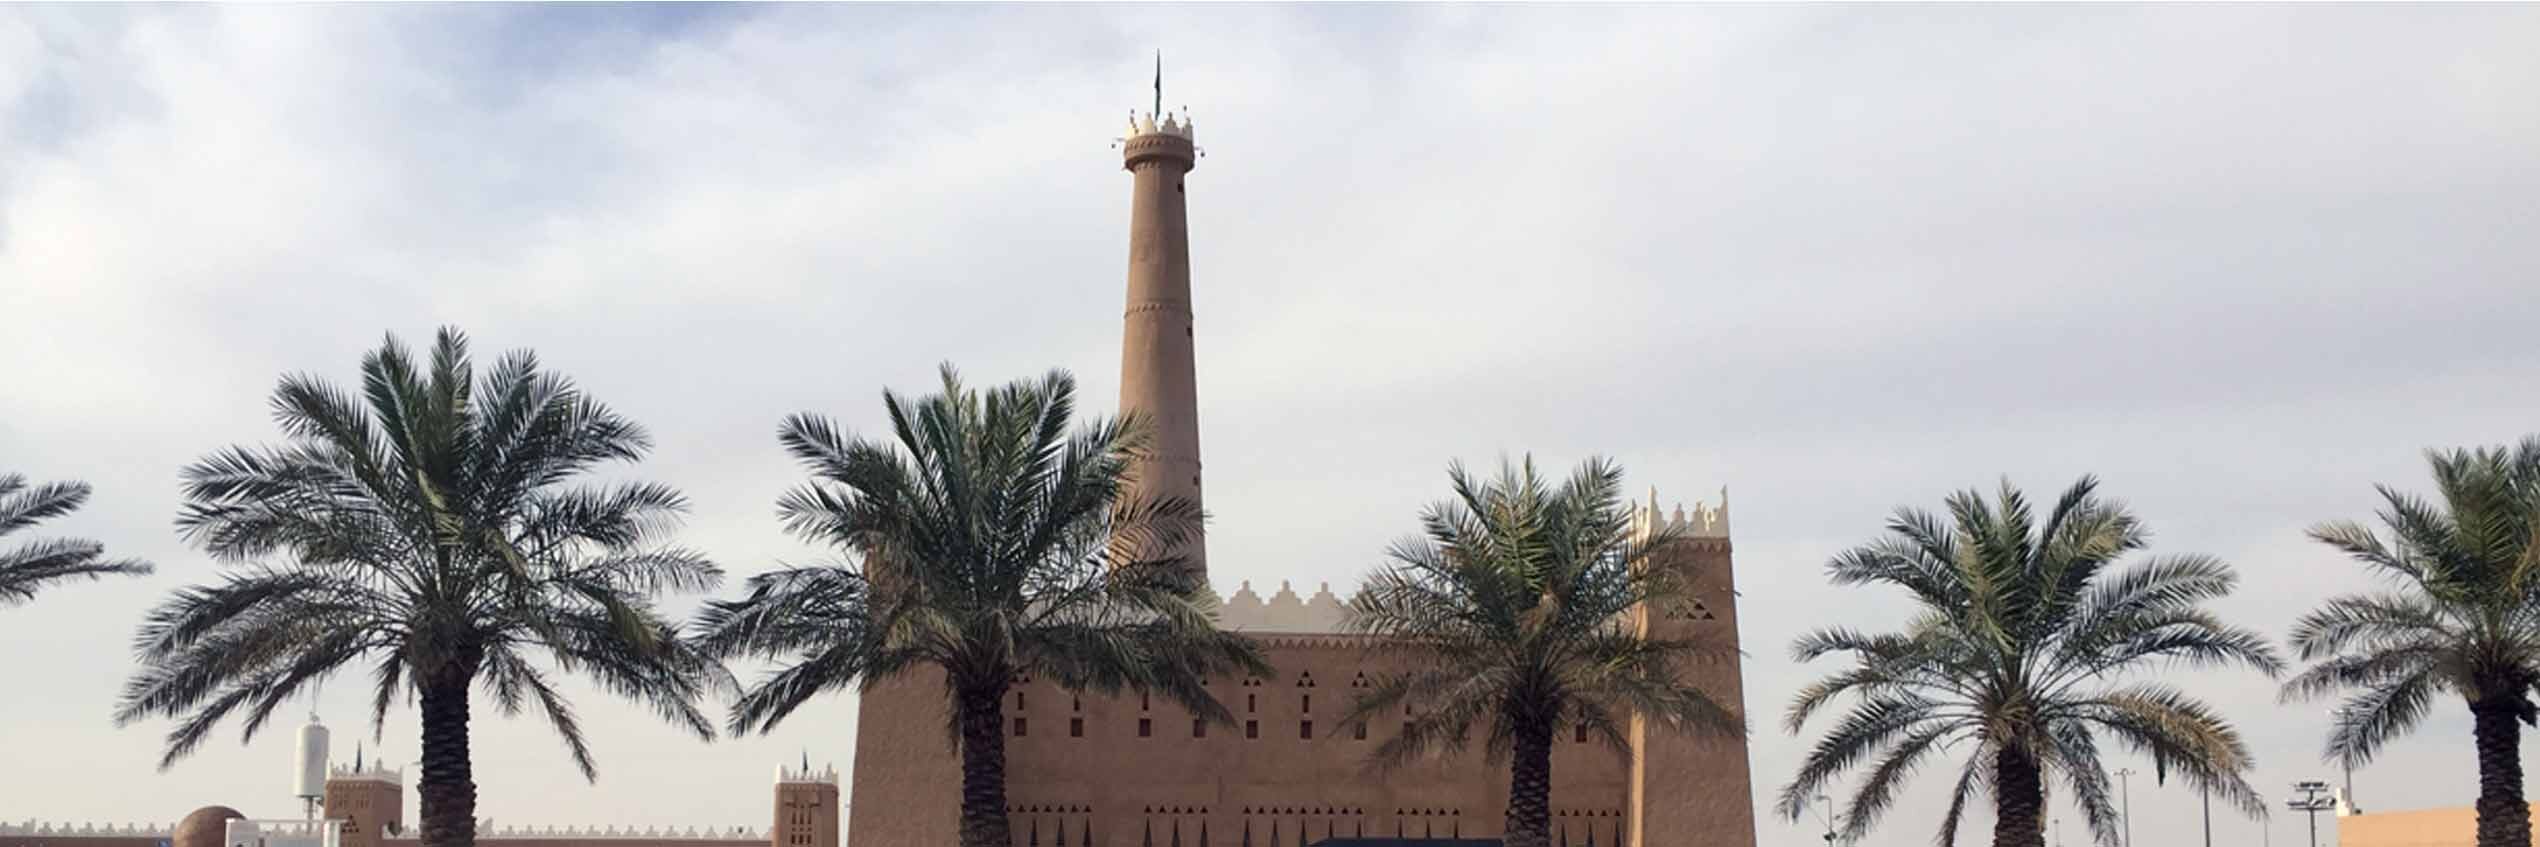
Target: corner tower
(1688, 789)
(1158, 376)
(371, 801)
(806, 808)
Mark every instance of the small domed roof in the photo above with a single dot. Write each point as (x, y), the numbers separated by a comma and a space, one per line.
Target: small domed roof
(204, 827)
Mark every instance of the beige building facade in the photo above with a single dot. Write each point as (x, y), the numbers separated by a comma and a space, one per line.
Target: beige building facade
(2456, 826)
(1128, 771)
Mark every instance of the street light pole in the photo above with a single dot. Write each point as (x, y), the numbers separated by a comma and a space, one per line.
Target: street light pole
(2127, 786)
(2313, 801)
(1825, 809)
(2207, 796)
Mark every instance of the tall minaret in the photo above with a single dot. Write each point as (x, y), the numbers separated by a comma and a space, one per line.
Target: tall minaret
(1158, 381)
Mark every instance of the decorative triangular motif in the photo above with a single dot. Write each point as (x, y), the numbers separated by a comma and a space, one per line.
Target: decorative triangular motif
(1691, 610)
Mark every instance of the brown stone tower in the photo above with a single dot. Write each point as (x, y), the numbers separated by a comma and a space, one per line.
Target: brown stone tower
(1688, 790)
(1158, 376)
(806, 808)
(371, 801)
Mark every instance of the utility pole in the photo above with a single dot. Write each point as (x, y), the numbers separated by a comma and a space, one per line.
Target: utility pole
(2206, 795)
(2127, 786)
(2314, 800)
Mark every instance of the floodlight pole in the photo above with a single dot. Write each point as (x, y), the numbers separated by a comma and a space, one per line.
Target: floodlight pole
(2127, 786)
(2207, 796)
(2311, 804)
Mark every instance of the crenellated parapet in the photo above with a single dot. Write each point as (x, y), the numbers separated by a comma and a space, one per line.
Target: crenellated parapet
(1284, 612)
(372, 773)
(827, 775)
(487, 831)
(1705, 520)
(87, 829)
(1176, 126)
(1170, 142)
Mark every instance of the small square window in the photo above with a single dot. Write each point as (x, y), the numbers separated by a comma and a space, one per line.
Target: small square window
(1018, 701)
(1199, 727)
(1582, 734)
(1252, 702)
(1359, 732)
(1075, 727)
(1309, 703)
(1252, 729)
(1305, 730)
(1146, 727)
(1019, 728)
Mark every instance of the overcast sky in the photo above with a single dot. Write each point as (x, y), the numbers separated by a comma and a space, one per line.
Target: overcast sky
(2242, 262)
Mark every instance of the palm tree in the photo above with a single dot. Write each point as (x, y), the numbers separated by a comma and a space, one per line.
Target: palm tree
(30, 567)
(2018, 651)
(433, 531)
(2462, 617)
(1515, 608)
(987, 542)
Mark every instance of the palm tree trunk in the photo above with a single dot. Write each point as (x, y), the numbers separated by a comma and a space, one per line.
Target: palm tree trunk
(982, 718)
(2019, 798)
(2503, 819)
(1530, 788)
(448, 790)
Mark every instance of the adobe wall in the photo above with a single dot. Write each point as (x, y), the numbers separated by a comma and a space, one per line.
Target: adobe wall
(1264, 772)
(1081, 765)
(78, 840)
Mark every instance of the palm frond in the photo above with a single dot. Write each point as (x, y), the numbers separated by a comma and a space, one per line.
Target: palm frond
(36, 565)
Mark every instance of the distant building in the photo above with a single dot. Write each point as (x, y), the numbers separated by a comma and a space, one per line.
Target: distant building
(2456, 826)
(365, 807)
(1093, 771)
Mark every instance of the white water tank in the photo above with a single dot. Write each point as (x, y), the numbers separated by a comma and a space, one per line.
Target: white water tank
(310, 780)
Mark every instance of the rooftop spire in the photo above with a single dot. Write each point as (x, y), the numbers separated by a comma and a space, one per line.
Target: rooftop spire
(1159, 85)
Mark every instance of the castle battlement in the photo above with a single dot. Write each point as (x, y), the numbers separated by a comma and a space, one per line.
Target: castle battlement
(374, 773)
(486, 830)
(824, 776)
(87, 829)
(1705, 521)
(1283, 612)
(1146, 125)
